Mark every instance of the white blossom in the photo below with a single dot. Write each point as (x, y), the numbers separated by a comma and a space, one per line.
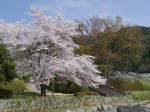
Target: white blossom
(46, 49)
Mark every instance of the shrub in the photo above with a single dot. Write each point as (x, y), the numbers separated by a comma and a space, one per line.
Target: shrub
(17, 86)
(74, 88)
(126, 84)
(84, 89)
(32, 94)
(5, 93)
(26, 78)
(80, 94)
(62, 86)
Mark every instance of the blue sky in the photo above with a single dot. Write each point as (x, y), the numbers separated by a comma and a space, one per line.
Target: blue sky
(131, 11)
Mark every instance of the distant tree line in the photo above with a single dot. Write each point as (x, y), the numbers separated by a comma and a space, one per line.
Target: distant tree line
(117, 47)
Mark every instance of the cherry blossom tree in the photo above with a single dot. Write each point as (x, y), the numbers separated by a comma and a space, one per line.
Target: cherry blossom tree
(44, 49)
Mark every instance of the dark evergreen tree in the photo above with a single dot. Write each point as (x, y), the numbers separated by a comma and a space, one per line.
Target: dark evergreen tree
(7, 65)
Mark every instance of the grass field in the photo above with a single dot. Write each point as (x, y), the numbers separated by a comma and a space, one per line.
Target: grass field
(146, 84)
(141, 95)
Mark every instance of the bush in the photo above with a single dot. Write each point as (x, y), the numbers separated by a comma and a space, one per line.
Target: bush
(32, 94)
(74, 88)
(26, 78)
(80, 94)
(126, 84)
(5, 93)
(84, 89)
(17, 86)
(69, 87)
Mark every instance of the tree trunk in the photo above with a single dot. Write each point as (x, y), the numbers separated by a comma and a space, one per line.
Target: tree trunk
(53, 87)
(43, 89)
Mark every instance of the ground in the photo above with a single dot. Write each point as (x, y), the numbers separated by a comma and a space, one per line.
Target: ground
(32, 101)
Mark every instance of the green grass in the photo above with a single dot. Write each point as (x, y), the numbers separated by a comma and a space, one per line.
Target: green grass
(141, 95)
(146, 84)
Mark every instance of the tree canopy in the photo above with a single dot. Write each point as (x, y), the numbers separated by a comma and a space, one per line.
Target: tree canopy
(115, 46)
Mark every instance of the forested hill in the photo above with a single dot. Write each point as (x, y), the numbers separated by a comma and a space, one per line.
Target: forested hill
(115, 46)
(146, 40)
(146, 33)
(145, 30)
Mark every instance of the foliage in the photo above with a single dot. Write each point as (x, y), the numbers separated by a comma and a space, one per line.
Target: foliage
(145, 64)
(26, 78)
(80, 94)
(64, 86)
(17, 86)
(126, 84)
(126, 48)
(30, 94)
(5, 93)
(74, 88)
(7, 65)
(107, 70)
(84, 89)
(145, 30)
(112, 43)
(83, 49)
